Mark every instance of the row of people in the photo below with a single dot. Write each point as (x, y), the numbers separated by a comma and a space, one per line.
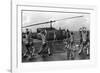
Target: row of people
(69, 42)
(83, 47)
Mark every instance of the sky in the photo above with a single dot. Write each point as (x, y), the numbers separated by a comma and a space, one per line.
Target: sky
(33, 17)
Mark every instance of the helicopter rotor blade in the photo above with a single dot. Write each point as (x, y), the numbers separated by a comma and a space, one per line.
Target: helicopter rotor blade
(36, 24)
(52, 21)
(69, 18)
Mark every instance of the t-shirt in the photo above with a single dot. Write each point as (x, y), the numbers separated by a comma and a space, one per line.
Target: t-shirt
(43, 37)
(84, 36)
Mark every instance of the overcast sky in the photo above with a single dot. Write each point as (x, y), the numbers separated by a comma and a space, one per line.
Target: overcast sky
(32, 17)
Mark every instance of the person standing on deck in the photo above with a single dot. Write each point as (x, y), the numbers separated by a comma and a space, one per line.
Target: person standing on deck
(80, 41)
(67, 44)
(68, 36)
(71, 39)
(80, 34)
(44, 42)
(84, 36)
(84, 40)
(88, 43)
(66, 40)
(71, 50)
(27, 40)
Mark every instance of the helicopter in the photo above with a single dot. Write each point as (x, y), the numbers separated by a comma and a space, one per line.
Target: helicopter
(52, 33)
